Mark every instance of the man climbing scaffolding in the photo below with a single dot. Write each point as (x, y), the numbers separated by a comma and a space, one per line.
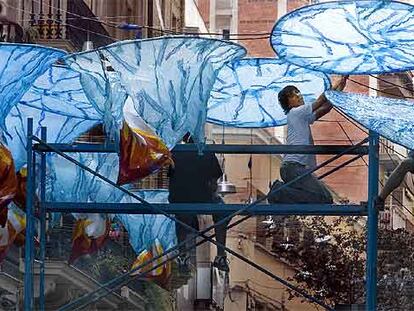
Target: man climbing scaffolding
(299, 118)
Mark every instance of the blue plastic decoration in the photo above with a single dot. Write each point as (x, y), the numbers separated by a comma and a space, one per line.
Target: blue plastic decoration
(102, 86)
(391, 118)
(245, 92)
(170, 79)
(67, 182)
(20, 65)
(143, 230)
(348, 37)
(55, 100)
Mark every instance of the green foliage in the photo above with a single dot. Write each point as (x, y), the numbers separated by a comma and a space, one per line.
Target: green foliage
(330, 261)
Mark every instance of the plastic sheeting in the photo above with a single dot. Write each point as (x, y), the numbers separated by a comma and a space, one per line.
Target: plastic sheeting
(245, 92)
(348, 37)
(391, 118)
(55, 100)
(102, 87)
(170, 79)
(20, 65)
(144, 230)
(85, 187)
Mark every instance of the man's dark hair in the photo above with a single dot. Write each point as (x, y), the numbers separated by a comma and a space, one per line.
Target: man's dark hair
(284, 95)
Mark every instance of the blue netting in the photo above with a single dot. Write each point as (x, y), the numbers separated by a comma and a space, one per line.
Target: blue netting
(55, 100)
(391, 118)
(170, 79)
(143, 230)
(348, 37)
(245, 92)
(20, 65)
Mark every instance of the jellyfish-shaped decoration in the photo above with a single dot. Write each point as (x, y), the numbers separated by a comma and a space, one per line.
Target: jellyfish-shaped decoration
(169, 80)
(20, 66)
(391, 118)
(150, 235)
(245, 91)
(348, 37)
(102, 86)
(57, 101)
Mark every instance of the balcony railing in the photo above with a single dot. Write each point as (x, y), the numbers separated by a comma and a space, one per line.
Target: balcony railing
(70, 20)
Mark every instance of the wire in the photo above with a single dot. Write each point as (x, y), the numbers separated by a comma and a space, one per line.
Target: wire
(394, 84)
(380, 91)
(67, 25)
(366, 164)
(253, 36)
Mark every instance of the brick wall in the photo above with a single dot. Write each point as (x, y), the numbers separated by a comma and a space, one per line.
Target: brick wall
(257, 16)
(204, 8)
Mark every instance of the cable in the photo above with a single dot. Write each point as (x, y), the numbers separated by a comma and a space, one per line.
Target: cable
(380, 91)
(394, 84)
(253, 36)
(67, 25)
(366, 164)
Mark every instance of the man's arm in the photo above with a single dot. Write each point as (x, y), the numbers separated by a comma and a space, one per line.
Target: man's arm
(322, 105)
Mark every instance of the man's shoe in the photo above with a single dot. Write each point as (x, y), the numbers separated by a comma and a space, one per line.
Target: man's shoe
(221, 263)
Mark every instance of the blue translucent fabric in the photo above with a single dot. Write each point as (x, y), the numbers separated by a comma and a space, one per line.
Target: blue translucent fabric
(20, 65)
(245, 92)
(68, 182)
(391, 118)
(102, 87)
(348, 37)
(143, 230)
(170, 79)
(55, 100)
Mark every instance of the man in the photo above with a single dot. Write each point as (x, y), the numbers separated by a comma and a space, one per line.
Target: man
(299, 118)
(193, 179)
(395, 179)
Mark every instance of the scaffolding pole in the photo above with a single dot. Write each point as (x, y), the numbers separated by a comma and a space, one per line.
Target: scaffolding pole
(373, 168)
(315, 209)
(29, 243)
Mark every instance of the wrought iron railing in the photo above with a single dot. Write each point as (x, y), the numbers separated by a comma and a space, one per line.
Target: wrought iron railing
(72, 20)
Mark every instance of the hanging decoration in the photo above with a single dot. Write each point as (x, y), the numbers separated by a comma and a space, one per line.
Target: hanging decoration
(245, 91)
(389, 117)
(169, 80)
(348, 37)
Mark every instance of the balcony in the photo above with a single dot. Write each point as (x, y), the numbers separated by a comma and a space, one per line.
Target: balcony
(61, 23)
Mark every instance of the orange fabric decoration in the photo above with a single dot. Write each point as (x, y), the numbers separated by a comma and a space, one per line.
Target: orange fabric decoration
(15, 226)
(141, 154)
(160, 275)
(20, 197)
(8, 182)
(82, 244)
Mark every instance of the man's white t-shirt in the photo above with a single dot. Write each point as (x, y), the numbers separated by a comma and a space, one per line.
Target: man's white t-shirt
(299, 120)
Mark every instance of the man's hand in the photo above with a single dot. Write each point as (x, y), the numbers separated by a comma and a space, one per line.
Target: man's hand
(339, 84)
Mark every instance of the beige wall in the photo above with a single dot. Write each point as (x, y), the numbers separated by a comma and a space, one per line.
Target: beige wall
(245, 278)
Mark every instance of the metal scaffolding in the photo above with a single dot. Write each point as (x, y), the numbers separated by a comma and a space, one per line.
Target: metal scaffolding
(39, 146)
